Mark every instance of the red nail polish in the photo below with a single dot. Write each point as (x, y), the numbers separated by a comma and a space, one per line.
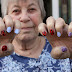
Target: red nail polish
(3, 33)
(4, 48)
(44, 33)
(51, 32)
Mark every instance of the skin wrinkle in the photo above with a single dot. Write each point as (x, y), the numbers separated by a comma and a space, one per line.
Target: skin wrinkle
(28, 43)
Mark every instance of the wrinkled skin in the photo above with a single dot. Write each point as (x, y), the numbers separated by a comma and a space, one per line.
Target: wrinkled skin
(57, 42)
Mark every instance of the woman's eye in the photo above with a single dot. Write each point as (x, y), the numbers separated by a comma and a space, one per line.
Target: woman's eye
(16, 11)
(32, 9)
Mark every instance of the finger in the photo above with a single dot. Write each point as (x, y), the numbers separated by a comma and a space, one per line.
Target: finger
(65, 30)
(8, 23)
(60, 52)
(42, 29)
(60, 23)
(51, 25)
(2, 25)
(70, 29)
(17, 26)
(6, 49)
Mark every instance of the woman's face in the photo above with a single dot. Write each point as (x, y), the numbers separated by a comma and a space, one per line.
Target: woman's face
(29, 14)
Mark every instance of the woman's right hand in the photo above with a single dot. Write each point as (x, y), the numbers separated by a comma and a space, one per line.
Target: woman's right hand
(6, 38)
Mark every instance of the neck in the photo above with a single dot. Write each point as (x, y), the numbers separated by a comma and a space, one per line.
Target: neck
(23, 46)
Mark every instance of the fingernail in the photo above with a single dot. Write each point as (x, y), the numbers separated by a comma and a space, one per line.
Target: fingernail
(58, 34)
(17, 31)
(44, 33)
(4, 48)
(70, 34)
(51, 32)
(64, 49)
(8, 29)
(3, 33)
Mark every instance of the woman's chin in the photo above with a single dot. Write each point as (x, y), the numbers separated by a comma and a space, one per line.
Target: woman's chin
(26, 37)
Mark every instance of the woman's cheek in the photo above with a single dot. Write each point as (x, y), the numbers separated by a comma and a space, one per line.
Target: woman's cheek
(36, 19)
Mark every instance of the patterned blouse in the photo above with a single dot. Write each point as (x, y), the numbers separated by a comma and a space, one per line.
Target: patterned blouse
(45, 63)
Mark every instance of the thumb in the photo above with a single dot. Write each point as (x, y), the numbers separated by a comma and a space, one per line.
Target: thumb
(60, 52)
(6, 49)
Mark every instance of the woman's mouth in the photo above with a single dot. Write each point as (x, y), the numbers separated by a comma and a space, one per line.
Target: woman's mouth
(27, 28)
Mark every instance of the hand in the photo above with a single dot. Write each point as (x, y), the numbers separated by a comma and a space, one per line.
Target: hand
(6, 38)
(57, 33)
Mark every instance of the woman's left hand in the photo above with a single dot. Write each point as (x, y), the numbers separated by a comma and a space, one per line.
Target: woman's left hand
(59, 36)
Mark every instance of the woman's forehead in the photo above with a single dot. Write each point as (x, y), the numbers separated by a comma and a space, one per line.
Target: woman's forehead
(24, 1)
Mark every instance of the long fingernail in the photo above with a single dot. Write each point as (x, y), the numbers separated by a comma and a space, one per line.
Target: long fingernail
(70, 34)
(58, 34)
(51, 32)
(64, 49)
(44, 33)
(4, 48)
(3, 33)
(17, 31)
(8, 29)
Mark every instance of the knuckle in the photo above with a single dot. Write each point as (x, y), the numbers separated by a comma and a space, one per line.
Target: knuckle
(50, 18)
(40, 27)
(8, 22)
(70, 23)
(0, 19)
(17, 21)
(7, 16)
(60, 20)
(49, 25)
(8, 19)
(57, 27)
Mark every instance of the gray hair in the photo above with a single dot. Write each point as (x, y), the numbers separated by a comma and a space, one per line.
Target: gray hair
(4, 7)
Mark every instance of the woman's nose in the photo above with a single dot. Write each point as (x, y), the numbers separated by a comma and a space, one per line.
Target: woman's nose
(24, 17)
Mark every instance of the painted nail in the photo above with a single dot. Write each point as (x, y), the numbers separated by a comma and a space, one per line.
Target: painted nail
(64, 49)
(44, 33)
(51, 32)
(17, 31)
(4, 48)
(3, 33)
(8, 29)
(58, 34)
(70, 34)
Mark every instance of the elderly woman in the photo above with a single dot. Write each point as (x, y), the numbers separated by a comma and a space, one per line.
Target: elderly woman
(22, 50)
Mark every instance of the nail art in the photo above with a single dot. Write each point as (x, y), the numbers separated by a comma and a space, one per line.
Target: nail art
(8, 29)
(58, 34)
(51, 32)
(4, 48)
(70, 34)
(64, 49)
(44, 33)
(3, 33)
(17, 31)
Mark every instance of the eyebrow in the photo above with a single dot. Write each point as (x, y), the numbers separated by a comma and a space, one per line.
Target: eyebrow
(28, 5)
(16, 6)
(31, 4)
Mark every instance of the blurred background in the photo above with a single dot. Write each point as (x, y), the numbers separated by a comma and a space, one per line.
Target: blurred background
(57, 8)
